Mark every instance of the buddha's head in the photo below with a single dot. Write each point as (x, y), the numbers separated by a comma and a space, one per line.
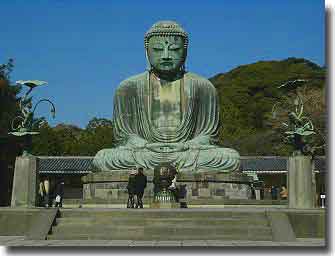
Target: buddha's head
(166, 47)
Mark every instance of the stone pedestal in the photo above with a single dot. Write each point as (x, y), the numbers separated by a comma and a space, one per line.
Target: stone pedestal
(165, 205)
(300, 182)
(25, 182)
(111, 187)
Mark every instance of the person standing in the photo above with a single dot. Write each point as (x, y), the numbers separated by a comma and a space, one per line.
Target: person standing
(182, 196)
(253, 192)
(283, 193)
(140, 185)
(59, 193)
(274, 194)
(131, 189)
(174, 189)
(44, 192)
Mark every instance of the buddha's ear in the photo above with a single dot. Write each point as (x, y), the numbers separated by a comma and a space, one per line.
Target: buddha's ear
(183, 67)
(149, 67)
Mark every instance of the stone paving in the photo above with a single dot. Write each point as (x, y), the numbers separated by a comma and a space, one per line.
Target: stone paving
(15, 241)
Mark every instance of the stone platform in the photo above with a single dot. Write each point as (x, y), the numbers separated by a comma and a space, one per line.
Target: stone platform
(111, 187)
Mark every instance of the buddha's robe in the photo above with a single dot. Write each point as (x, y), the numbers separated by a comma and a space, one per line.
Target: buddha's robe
(182, 114)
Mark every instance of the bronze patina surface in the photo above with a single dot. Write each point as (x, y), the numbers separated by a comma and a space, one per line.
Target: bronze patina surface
(166, 114)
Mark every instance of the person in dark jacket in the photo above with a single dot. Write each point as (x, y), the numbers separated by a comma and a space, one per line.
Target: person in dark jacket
(140, 185)
(274, 193)
(131, 189)
(59, 193)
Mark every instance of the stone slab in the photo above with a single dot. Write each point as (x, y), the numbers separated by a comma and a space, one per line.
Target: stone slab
(281, 227)
(41, 224)
(308, 224)
(18, 242)
(166, 205)
(24, 193)
(300, 182)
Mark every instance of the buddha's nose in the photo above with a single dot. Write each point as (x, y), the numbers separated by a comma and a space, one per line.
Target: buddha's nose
(166, 55)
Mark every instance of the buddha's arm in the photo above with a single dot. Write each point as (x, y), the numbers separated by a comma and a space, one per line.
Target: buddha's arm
(134, 141)
(200, 142)
(208, 117)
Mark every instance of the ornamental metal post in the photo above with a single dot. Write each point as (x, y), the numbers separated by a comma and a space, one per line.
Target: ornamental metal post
(24, 125)
(299, 130)
(26, 178)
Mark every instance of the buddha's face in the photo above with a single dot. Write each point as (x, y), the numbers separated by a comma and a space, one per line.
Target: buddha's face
(166, 53)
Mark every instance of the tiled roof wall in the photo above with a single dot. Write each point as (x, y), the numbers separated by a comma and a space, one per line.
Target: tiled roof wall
(83, 165)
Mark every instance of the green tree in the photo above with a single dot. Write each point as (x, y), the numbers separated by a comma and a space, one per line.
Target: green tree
(46, 143)
(8, 98)
(97, 135)
(247, 94)
(70, 140)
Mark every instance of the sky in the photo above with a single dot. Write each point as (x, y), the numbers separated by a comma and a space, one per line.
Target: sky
(84, 49)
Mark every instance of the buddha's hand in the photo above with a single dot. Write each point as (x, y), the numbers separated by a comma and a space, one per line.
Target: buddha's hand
(166, 147)
(135, 141)
(197, 146)
(201, 142)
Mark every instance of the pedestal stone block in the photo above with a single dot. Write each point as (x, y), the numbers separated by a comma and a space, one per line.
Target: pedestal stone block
(204, 192)
(25, 182)
(112, 186)
(166, 205)
(300, 182)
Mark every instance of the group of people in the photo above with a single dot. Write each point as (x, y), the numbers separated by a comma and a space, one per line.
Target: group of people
(278, 193)
(165, 178)
(56, 199)
(283, 193)
(275, 192)
(137, 182)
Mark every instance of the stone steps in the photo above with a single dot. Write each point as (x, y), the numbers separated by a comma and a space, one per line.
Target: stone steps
(160, 237)
(141, 213)
(161, 225)
(88, 221)
(199, 201)
(164, 234)
(167, 228)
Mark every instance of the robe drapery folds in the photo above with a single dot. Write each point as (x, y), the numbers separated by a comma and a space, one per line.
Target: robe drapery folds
(133, 129)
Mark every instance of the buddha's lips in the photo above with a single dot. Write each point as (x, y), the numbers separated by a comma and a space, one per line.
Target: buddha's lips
(166, 63)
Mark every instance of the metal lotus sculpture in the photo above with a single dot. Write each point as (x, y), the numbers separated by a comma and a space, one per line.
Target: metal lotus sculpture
(299, 129)
(24, 124)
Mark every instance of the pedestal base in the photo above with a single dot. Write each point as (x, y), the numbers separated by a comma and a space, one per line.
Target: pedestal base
(300, 183)
(111, 187)
(165, 205)
(25, 182)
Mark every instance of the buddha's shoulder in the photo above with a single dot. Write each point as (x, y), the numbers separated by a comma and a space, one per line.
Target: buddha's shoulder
(133, 81)
(199, 79)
